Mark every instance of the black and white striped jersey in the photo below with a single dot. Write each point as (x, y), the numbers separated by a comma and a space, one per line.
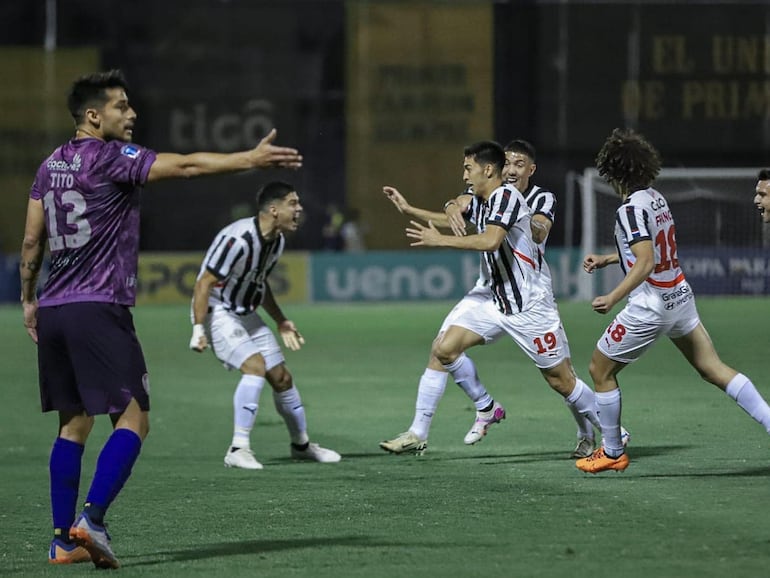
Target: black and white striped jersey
(241, 259)
(512, 270)
(541, 202)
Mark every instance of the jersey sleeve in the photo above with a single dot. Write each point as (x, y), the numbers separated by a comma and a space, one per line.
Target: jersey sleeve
(506, 208)
(225, 252)
(544, 204)
(127, 162)
(37, 191)
(633, 222)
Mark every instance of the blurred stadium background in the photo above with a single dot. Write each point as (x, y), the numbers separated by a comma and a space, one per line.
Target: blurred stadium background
(388, 92)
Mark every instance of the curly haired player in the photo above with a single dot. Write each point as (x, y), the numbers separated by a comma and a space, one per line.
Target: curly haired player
(660, 301)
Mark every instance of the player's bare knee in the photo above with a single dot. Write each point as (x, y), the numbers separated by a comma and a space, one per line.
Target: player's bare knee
(280, 378)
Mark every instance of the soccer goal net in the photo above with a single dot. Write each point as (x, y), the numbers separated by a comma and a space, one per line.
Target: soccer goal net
(719, 232)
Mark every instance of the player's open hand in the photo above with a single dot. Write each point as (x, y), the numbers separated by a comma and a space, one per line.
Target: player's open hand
(291, 337)
(396, 198)
(427, 236)
(266, 154)
(198, 341)
(30, 319)
(454, 214)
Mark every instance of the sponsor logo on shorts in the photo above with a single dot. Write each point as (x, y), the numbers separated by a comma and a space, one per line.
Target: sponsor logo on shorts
(146, 383)
(677, 297)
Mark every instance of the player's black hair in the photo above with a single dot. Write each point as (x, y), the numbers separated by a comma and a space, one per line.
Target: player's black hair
(764, 175)
(629, 160)
(272, 191)
(91, 91)
(487, 152)
(522, 147)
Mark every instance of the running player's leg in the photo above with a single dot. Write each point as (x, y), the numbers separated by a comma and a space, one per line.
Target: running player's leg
(699, 350)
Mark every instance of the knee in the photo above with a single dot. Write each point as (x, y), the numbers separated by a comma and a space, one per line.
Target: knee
(283, 381)
(445, 355)
(561, 379)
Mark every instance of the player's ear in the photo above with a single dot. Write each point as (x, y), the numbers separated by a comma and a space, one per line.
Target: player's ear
(93, 117)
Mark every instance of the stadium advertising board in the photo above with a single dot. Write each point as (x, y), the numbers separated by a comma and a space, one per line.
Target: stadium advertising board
(416, 275)
(726, 271)
(170, 277)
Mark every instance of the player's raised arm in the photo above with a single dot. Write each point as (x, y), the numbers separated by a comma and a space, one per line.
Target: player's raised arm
(438, 219)
(264, 155)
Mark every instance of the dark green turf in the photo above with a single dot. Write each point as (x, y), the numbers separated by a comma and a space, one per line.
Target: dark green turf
(694, 501)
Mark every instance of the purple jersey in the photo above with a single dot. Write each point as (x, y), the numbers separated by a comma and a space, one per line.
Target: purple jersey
(90, 190)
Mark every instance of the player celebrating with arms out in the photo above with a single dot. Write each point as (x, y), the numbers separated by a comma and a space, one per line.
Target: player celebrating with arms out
(231, 285)
(660, 301)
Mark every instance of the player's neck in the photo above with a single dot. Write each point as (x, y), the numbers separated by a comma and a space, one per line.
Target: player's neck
(267, 226)
(87, 132)
(489, 187)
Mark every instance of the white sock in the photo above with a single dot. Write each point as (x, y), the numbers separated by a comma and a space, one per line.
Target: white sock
(245, 407)
(464, 373)
(290, 408)
(608, 406)
(582, 403)
(748, 398)
(429, 392)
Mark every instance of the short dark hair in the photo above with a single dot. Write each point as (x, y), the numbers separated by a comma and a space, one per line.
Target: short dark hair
(91, 90)
(628, 159)
(487, 151)
(521, 146)
(764, 175)
(273, 191)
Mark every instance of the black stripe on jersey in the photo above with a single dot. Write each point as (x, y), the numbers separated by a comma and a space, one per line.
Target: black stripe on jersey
(505, 199)
(249, 239)
(509, 271)
(496, 285)
(222, 289)
(217, 267)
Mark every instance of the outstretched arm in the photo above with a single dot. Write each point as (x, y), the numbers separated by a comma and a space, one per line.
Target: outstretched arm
(439, 219)
(264, 155)
(429, 236)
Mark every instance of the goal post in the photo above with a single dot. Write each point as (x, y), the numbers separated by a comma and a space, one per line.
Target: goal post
(714, 217)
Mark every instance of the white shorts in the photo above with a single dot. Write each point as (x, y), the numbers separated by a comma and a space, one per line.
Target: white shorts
(637, 327)
(235, 338)
(537, 331)
(471, 300)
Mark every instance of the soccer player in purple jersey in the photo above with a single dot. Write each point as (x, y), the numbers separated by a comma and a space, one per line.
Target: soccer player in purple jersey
(232, 285)
(85, 203)
(660, 301)
(762, 197)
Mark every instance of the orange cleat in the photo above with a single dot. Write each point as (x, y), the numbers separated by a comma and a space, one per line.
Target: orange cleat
(599, 462)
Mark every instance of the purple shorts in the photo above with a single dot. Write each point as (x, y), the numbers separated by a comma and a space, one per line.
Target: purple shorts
(90, 359)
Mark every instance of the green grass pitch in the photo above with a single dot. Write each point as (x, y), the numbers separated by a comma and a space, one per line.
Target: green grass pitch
(694, 501)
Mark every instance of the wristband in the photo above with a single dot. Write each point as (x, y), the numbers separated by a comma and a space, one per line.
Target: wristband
(198, 332)
(450, 202)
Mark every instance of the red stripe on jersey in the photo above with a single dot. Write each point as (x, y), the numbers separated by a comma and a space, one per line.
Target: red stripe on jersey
(666, 284)
(523, 257)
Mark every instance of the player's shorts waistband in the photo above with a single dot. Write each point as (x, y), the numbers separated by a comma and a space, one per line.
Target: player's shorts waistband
(238, 313)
